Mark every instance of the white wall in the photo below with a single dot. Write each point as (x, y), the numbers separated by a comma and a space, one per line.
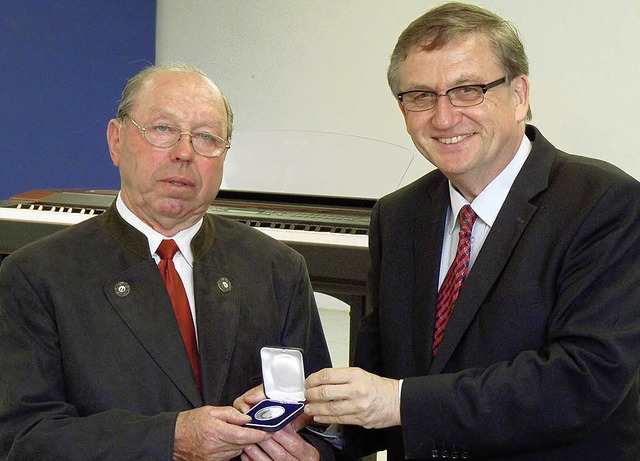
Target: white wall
(321, 65)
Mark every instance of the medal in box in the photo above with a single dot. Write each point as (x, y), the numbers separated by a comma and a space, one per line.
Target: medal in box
(283, 379)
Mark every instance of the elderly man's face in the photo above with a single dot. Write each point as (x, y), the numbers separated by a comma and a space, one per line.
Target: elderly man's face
(169, 188)
(470, 145)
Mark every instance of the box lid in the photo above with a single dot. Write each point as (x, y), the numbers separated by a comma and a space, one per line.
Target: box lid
(283, 373)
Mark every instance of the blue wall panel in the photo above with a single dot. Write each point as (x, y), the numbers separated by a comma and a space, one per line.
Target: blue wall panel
(63, 65)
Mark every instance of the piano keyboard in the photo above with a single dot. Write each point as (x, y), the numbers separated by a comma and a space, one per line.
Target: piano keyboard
(288, 227)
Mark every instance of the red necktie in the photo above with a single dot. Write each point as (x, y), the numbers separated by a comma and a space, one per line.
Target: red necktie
(455, 276)
(178, 296)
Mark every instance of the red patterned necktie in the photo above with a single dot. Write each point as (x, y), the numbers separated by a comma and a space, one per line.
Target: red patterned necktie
(178, 296)
(455, 276)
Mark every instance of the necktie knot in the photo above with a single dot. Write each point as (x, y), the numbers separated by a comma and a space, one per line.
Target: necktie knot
(167, 249)
(467, 219)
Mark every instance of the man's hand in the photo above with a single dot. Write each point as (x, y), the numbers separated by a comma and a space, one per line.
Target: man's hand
(213, 433)
(352, 396)
(284, 445)
(249, 399)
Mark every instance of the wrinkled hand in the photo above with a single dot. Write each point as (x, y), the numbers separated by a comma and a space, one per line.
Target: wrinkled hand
(284, 445)
(213, 433)
(352, 396)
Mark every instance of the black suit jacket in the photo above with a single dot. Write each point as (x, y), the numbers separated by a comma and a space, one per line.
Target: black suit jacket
(93, 364)
(540, 359)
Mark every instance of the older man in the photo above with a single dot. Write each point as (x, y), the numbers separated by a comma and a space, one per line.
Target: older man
(98, 360)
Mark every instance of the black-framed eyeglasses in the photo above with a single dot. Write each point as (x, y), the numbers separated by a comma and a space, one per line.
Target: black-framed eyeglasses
(165, 136)
(459, 96)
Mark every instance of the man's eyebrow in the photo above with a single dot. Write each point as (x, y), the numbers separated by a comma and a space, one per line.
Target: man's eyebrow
(161, 113)
(462, 80)
(419, 87)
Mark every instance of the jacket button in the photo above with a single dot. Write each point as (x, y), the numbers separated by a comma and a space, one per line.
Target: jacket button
(122, 289)
(224, 284)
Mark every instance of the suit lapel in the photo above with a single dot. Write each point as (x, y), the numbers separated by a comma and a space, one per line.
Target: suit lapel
(510, 223)
(139, 296)
(218, 313)
(218, 319)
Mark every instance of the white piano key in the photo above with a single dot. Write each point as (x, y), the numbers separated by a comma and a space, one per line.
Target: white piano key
(48, 217)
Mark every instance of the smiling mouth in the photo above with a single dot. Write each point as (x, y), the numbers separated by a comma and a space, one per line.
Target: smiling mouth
(454, 140)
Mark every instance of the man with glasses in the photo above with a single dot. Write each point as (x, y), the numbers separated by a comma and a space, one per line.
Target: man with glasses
(94, 362)
(505, 287)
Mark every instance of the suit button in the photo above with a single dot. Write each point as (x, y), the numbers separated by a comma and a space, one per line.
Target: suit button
(224, 284)
(121, 289)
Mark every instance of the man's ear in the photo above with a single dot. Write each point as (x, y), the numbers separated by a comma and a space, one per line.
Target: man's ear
(520, 86)
(114, 140)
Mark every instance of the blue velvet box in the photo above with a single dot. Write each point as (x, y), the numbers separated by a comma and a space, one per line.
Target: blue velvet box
(283, 379)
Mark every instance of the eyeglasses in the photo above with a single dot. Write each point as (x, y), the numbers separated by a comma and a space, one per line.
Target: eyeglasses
(165, 136)
(460, 96)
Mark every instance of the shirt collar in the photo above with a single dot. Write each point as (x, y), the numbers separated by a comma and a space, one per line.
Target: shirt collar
(182, 238)
(488, 203)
